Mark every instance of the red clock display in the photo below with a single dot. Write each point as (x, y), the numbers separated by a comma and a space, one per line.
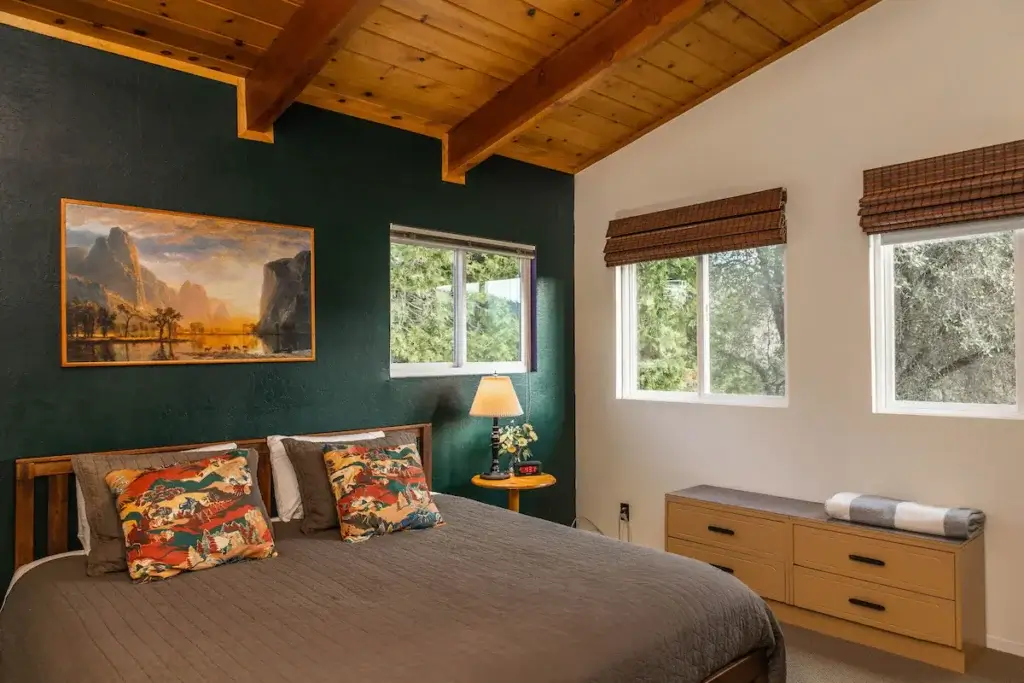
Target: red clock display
(528, 469)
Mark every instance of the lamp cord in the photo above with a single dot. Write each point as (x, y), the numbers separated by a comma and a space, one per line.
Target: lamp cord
(576, 524)
(529, 397)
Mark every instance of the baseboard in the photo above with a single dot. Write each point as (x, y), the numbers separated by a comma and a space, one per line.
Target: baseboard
(1003, 645)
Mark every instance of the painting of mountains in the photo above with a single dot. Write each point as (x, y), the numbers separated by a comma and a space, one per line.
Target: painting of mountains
(143, 287)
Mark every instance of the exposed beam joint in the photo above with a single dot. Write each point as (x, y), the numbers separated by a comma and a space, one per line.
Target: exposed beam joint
(624, 33)
(313, 35)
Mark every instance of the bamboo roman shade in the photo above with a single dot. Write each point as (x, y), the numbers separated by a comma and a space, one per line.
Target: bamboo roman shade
(978, 184)
(743, 222)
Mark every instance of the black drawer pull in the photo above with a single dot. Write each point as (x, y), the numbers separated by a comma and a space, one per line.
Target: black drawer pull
(867, 560)
(727, 570)
(869, 605)
(720, 530)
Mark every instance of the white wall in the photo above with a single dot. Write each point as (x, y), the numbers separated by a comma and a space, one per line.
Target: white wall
(905, 80)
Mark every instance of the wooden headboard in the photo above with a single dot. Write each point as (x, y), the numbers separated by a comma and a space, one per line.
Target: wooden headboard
(57, 470)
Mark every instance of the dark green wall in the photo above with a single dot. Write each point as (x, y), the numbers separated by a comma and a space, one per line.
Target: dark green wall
(77, 122)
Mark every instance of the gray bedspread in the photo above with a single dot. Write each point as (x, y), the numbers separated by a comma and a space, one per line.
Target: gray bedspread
(490, 597)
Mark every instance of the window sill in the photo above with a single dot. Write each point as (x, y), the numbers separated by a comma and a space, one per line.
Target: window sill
(975, 411)
(709, 399)
(446, 370)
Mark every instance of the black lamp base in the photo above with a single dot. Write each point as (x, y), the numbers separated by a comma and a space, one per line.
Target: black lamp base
(495, 472)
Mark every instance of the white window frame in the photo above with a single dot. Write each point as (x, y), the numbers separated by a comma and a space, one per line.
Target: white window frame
(883, 329)
(626, 379)
(461, 244)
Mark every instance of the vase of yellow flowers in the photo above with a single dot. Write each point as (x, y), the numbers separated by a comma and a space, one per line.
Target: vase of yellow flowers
(516, 440)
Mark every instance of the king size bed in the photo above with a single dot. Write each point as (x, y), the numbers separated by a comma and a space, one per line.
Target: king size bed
(488, 596)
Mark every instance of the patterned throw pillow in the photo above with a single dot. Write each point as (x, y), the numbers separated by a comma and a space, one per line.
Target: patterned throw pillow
(379, 490)
(190, 516)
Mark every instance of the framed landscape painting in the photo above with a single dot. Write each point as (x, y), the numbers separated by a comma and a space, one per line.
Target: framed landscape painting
(147, 287)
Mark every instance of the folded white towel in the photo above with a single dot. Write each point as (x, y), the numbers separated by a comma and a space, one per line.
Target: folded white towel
(900, 514)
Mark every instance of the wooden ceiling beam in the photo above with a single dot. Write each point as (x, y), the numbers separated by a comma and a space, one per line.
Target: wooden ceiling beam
(312, 36)
(626, 32)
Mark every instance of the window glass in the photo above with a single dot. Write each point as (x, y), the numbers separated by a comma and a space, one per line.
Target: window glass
(459, 305)
(708, 328)
(494, 292)
(953, 320)
(422, 304)
(746, 324)
(666, 325)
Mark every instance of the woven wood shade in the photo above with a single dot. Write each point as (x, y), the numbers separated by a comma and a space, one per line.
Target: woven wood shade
(978, 184)
(744, 222)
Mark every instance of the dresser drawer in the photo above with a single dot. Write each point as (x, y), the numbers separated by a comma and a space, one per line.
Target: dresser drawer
(727, 530)
(911, 614)
(893, 564)
(766, 578)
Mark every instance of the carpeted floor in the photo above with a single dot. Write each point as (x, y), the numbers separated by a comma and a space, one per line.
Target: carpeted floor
(813, 658)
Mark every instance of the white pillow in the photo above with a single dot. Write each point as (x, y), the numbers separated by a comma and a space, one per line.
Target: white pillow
(286, 486)
(83, 520)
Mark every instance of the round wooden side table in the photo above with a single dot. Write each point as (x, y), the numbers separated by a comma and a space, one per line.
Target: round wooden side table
(516, 484)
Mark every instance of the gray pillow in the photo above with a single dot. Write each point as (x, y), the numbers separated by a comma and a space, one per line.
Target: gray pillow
(319, 509)
(106, 539)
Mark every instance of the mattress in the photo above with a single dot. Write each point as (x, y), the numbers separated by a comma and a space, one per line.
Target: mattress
(491, 596)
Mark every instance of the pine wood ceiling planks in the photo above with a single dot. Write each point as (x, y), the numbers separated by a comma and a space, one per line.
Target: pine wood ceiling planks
(421, 35)
(736, 27)
(143, 33)
(273, 12)
(427, 65)
(777, 16)
(412, 59)
(527, 20)
(712, 49)
(194, 14)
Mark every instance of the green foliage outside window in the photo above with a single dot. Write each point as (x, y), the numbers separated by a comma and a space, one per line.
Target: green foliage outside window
(954, 320)
(746, 324)
(954, 317)
(493, 330)
(666, 330)
(423, 305)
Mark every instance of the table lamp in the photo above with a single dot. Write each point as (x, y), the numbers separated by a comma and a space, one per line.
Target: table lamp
(495, 398)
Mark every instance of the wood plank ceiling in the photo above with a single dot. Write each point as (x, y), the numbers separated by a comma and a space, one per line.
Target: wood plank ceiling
(428, 66)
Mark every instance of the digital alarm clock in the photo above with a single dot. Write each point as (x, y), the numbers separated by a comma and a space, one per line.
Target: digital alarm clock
(530, 468)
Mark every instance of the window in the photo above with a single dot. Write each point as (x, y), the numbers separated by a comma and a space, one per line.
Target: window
(946, 314)
(707, 328)
(459, 305)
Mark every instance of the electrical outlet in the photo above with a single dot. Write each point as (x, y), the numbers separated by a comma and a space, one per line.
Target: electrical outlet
(624, 512)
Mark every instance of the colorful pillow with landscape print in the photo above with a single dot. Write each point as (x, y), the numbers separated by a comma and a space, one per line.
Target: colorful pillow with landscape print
(190, 516)
(379, 490)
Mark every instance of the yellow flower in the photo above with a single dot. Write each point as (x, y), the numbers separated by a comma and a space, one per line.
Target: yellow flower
(511, 449)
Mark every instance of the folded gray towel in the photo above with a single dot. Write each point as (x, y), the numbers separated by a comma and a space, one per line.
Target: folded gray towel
(900, 514)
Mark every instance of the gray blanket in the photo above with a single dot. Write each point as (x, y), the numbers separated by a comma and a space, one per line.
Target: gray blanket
(492, 596)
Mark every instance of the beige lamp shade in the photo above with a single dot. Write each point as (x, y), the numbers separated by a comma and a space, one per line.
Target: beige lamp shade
(495, 397)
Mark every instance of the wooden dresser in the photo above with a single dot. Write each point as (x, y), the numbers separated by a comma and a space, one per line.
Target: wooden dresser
(919, 596)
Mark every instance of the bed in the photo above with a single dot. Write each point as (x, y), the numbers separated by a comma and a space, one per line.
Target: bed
(490, 596)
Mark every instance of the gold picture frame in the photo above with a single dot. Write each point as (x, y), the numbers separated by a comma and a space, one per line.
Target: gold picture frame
(146, 286)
